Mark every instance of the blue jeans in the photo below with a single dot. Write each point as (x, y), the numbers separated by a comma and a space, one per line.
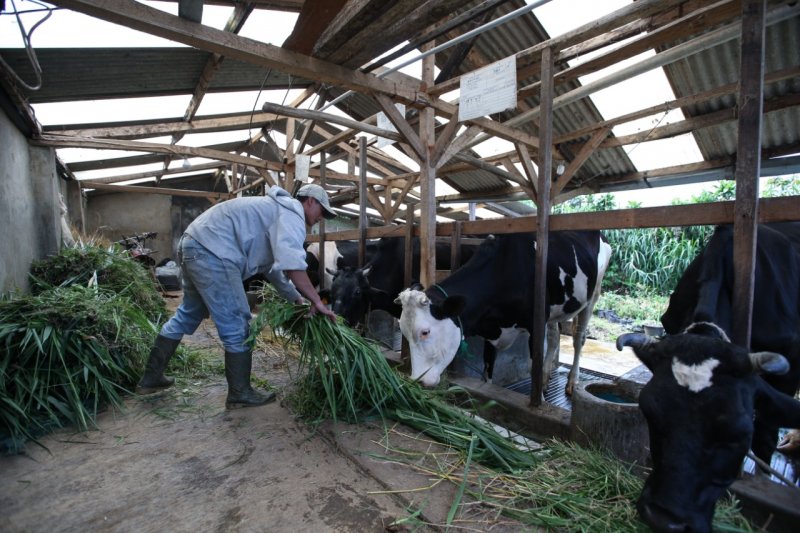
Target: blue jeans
(211, 287)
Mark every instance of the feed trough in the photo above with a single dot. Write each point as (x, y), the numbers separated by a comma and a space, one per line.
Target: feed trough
(607, 415)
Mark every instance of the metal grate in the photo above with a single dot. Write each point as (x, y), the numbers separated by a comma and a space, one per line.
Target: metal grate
(555, 394)
(789, 468)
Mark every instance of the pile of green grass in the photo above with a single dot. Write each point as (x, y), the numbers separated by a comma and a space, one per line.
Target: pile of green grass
(75, 343)
(108, 268)
(65, 354)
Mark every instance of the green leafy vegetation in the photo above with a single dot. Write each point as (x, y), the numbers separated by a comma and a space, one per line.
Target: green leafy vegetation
(571, 489)
(76, 343)
(108, 268)
(65, 354)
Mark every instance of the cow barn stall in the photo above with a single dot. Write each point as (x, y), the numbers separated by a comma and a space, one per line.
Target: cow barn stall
(714, 55)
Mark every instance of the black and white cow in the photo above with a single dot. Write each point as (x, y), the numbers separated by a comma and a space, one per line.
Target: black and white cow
(699, 406)
(704, 293)
(375, 286)
(493, 293)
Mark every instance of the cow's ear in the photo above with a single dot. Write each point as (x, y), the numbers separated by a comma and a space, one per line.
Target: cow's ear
(452, 306)
(380, 299)
(769, 363)
(641, 345)
(366, 270)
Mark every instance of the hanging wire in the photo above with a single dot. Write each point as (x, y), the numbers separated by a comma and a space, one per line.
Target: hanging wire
(26, 40)
(255, 103)
(658, 122)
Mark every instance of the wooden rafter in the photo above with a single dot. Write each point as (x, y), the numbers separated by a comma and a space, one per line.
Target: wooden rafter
(586, 150)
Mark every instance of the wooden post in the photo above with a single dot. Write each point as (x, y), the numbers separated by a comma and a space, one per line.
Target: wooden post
(455, 247)
(363, 221)
(748, 168)
(427, 237)
(545, 161)
(321, 266)
(405, 353)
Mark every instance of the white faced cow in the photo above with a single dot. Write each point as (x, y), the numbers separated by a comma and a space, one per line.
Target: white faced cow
(700, 406)
(493, 292)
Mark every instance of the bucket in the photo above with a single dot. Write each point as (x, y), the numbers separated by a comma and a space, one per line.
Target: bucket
(607, 415)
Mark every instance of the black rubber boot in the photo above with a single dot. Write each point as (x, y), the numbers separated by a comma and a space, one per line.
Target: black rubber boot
(154, 379)
(237, 371)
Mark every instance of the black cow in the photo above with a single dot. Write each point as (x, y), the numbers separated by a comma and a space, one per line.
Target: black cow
(699, 406)
(704, 294)
(375, 286)
(493, 293)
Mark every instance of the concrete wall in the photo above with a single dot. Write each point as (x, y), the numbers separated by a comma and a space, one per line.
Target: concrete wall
(117, 215)
(29, 206)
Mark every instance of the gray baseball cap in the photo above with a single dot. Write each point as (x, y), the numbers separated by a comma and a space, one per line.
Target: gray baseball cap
(319, 194)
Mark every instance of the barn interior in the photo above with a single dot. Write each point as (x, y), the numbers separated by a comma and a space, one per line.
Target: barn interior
(371, 109)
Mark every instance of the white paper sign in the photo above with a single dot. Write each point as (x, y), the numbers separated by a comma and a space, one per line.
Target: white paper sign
(488, 90)
(302, 163)
(385, 124)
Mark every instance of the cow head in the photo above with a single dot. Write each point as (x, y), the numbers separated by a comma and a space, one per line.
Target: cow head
(699, 407)
(352, 295)
(433, 337)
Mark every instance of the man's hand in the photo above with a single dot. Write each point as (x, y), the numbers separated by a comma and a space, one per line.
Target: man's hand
(322, 308)
(303, 284)
(790, 442)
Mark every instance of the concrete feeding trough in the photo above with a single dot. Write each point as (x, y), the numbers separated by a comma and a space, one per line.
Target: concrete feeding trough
(653, 330)
(607, 415)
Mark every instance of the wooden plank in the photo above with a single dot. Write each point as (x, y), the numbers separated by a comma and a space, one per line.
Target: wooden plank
(139, 146)
(308, 114)
(748, 168)
(703, 42)
(443, 141)
(770, 210)
(153, 173)
(88, 184)
(525, 160)
(586, 150)
(400, 123)
(156, 22)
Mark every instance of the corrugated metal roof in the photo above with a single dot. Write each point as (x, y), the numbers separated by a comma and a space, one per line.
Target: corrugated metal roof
(99, 73)
(719, 66)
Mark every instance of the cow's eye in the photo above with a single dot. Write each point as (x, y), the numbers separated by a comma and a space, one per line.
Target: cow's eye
(357, 292)
(424, 333)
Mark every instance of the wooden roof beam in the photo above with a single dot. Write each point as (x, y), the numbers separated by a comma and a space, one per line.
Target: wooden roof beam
(155, 22)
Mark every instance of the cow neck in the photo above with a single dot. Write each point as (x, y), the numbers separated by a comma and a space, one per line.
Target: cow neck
(463, 346)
